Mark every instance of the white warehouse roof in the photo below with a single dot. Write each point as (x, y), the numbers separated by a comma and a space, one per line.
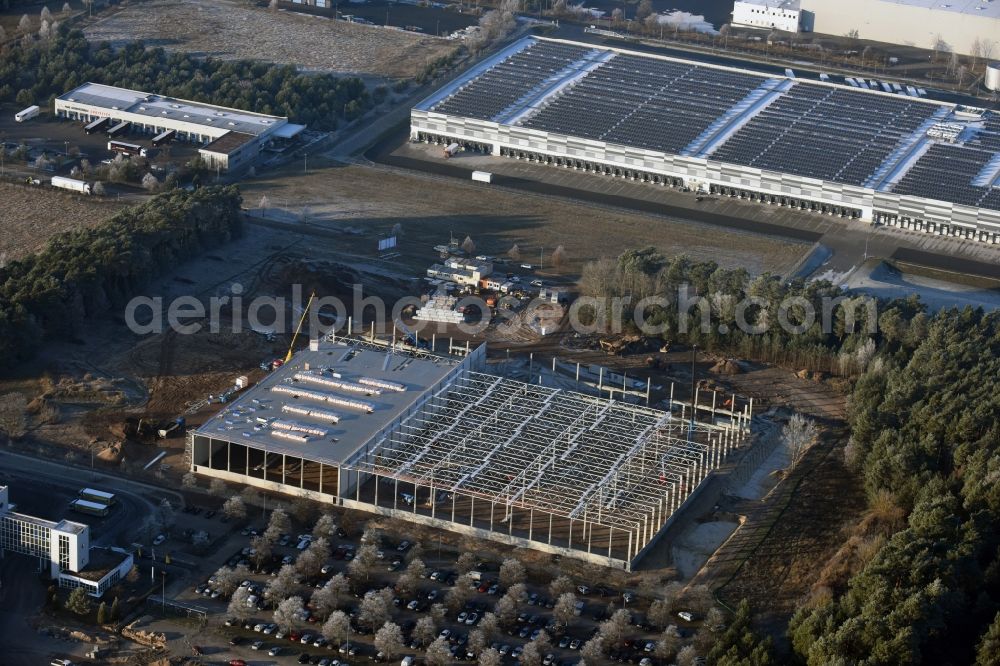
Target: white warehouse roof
(219, 118)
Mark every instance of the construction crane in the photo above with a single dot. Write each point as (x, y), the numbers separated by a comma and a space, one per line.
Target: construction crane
(291, 347)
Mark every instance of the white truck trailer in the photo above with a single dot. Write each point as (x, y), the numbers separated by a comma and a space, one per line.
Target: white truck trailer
(482, 176)
(27, 114)
(451, 150)
(73, 184)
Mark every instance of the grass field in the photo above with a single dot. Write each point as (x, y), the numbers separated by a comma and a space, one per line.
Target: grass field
(30, 216)
(231, 30)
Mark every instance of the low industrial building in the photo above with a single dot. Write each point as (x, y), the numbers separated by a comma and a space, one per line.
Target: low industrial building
(439, 440)
(461, 271)
(958, 24)
(767, 14)
(233, 137)
(844, 149)
(64, 546)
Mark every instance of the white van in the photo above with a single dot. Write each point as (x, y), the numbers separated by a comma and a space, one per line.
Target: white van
(407, 661)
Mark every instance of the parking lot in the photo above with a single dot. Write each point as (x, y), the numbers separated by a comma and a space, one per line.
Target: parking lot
(462, 602)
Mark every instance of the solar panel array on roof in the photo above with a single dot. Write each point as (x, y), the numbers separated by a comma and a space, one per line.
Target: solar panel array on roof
(828, 133)
(643, 102)
(946, 172)
(506, 82)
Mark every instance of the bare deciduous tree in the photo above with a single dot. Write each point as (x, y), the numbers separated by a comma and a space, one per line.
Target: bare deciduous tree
(323, 601)
(687, 655)
(613, 629)
(466, 562)
(512, 572)
(364, 561)
(288, 612)
(798, 435)
(469, 246)
(234, 508)
(560, 585)
(373, 610)
(490, 657)
(425, 631)
(337, 627)
(514, 253)
(326, 526)
(559, 257)
(668, 643)
(389, 639)
(238, 607)
(506, 609)
(281, 585)
(227, 580)
(438, 652)
(313, 557)
(216, 487)
(279, 523)
(593, 651)
(339, 586)
(24, 25)
(565, 608)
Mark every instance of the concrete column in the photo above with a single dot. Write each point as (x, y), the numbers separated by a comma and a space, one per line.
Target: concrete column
(550, 529)
(472, 510)
(531, 512)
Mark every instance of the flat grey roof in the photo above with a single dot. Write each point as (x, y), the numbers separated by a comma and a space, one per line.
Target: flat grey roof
(159, 106)
(247, 419)
(985, 8)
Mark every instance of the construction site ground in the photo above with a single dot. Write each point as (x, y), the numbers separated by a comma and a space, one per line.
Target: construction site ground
(319, 229)
(358, 204)
(840, 245)
(230, 29)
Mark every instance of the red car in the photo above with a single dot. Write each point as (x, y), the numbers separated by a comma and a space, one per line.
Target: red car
(237, 662)
(294, 636)
(485, 585)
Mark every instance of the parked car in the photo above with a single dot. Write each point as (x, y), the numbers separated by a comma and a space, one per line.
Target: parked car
(274, 651)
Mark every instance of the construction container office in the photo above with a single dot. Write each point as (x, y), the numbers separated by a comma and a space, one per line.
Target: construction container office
(439, 440)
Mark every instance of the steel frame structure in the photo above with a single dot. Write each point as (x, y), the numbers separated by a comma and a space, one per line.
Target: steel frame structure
(621, 468)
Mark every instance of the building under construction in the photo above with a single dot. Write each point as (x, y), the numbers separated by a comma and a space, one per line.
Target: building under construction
(441, 441)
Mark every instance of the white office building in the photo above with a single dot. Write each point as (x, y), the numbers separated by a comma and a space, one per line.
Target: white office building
(64, 545)
(767, 14)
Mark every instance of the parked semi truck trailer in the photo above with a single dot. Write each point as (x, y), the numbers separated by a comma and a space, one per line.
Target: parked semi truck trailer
(73, 184)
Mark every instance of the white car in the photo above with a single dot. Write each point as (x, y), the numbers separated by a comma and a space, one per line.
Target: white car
(686, 616)
(252, 601)
(160, 538)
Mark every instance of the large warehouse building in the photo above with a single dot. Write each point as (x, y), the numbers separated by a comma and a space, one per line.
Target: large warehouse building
(921, 23)
(233, 137)
(865, 154)
(439, 441)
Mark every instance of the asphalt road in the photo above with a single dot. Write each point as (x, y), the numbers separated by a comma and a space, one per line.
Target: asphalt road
(44, 488)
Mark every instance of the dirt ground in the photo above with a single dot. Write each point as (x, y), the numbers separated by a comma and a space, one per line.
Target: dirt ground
(230, 29)
(359, 204)
(29, 216)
